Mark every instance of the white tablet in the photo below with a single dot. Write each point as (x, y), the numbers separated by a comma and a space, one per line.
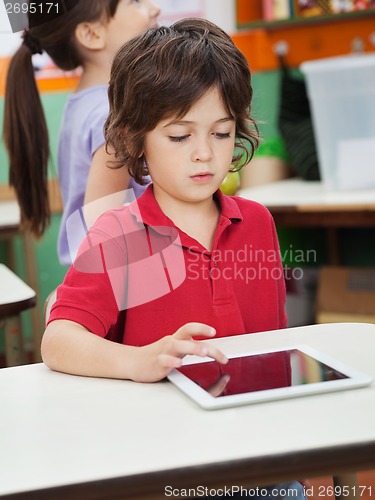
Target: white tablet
(264, 376)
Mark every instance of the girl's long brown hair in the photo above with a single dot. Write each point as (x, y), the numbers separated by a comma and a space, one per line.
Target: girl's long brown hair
(25, 131)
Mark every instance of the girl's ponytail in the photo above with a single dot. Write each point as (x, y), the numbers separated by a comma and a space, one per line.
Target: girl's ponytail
(25, 130)
(26, 139)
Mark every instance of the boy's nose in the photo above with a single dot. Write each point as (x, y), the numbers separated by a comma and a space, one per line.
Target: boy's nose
(202, 152)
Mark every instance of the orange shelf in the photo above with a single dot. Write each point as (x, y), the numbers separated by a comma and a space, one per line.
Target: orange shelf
(248, 11)
(4, 63)
(54, 81)
(58, 84)
(306, 41)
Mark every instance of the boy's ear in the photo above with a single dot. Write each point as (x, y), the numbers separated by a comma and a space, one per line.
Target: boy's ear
(90, 35)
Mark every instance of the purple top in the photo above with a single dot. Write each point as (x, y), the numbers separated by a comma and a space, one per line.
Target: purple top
(81, 135)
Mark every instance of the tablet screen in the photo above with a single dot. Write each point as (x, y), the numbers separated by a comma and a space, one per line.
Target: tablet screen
(260, 372)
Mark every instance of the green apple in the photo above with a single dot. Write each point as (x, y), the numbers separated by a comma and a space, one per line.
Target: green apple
(231, 183)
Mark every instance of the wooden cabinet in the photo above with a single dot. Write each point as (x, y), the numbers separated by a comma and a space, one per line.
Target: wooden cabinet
(306, 38)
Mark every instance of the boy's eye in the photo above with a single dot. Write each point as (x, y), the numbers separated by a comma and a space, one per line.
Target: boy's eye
(222, 136)
(179, 138)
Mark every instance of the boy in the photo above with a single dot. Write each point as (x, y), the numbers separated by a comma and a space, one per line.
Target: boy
(185, 260)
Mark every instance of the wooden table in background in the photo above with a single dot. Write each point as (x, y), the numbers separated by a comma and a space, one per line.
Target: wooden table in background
(9, 230)
(298, 203)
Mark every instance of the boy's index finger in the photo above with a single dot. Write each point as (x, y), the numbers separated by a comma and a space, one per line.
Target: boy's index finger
(190, 330)
(203, 349)
(215, 353)
(196, 348)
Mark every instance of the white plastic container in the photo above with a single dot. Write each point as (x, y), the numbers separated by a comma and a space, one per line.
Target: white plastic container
(342, 100)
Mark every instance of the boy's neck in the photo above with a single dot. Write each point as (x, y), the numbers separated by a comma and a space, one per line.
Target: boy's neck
(198, 220)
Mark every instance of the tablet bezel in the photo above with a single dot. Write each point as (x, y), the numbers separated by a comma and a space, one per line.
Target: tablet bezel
(207, 401)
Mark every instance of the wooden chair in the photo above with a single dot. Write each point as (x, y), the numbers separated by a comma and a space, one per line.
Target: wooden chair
(15, 297)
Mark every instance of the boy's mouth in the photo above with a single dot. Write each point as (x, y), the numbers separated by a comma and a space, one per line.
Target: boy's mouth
(202, 177)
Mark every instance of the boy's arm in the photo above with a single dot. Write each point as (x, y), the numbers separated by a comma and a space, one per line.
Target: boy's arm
(70, 348)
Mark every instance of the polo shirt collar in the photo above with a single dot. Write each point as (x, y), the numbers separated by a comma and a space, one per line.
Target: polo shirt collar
(150, 213)
(228, 206)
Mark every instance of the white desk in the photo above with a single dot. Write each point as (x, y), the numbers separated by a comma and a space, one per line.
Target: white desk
(295, 202)
(308, 194)
(13, 289)
(15, 297)
(9, 214)
(120, 439)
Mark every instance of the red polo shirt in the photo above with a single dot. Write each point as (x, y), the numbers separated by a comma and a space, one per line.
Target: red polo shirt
(138, 278)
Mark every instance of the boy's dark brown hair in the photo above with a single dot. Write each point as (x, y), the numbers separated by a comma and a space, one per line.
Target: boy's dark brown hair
(162, 73)
(24, 130)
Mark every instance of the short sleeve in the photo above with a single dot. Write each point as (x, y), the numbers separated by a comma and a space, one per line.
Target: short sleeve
(89, 293)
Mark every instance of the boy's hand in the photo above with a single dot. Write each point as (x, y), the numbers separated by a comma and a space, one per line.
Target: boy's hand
(155, 361)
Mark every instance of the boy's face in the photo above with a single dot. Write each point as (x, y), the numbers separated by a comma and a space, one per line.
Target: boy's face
(132, 17)
(189, 157)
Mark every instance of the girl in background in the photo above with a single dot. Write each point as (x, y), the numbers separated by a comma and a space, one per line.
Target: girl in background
(88, 35)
